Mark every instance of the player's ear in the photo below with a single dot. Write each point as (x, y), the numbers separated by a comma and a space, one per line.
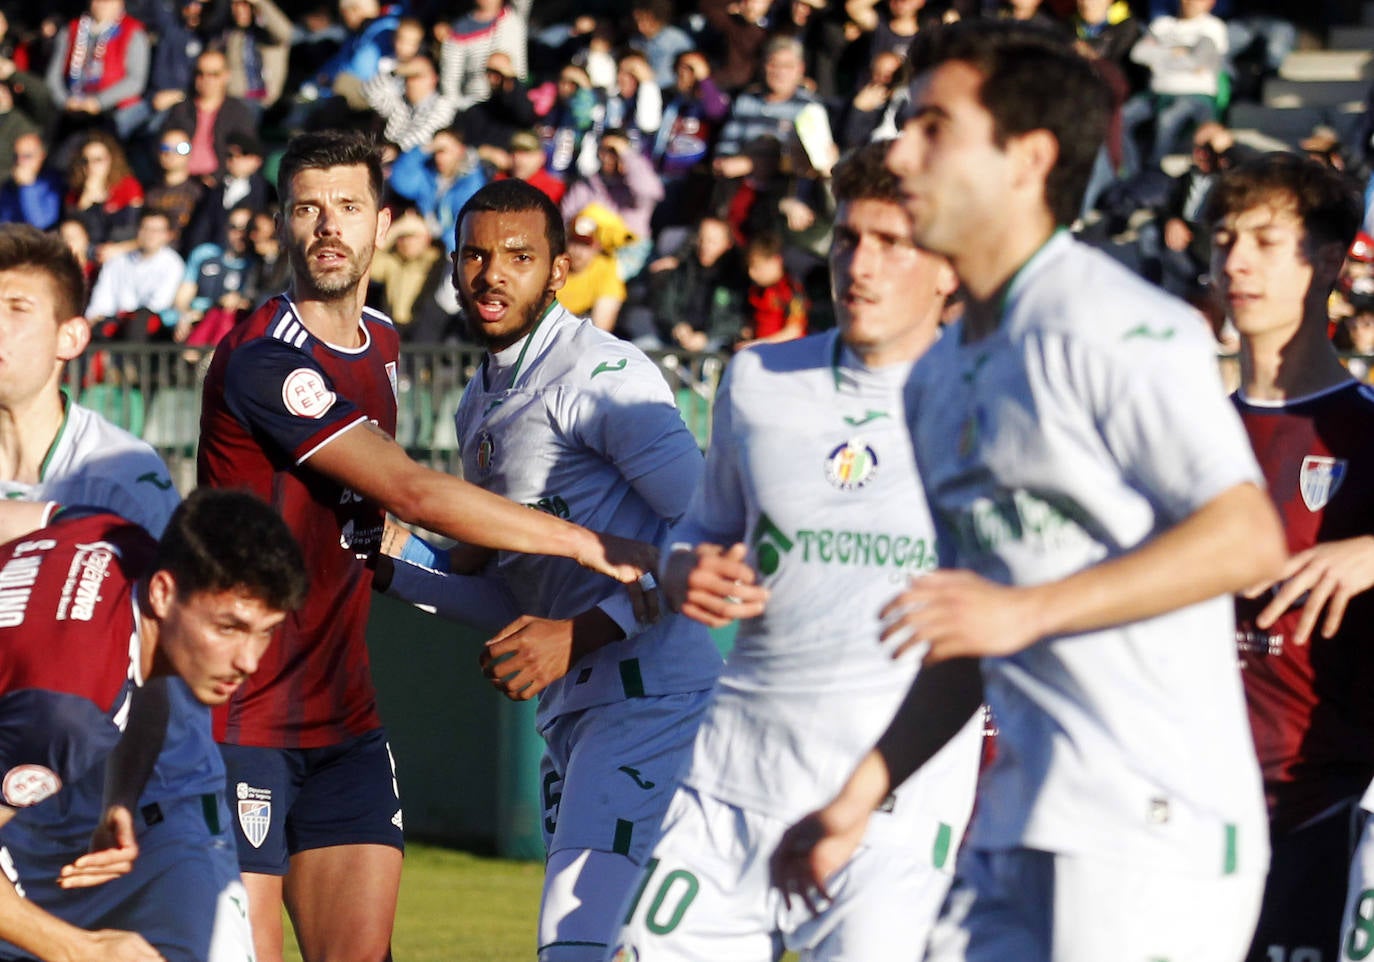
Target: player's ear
(73, 335)
(162, 592)
(558, 275)
(946, 281)
(1035, 153)
(383, 225)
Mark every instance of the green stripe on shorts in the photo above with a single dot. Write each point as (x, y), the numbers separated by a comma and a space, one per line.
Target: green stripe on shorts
(630, 678)
(1228, 864)
(623, 830)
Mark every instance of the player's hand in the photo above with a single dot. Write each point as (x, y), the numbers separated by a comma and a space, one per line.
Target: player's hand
(712, 585)
(813, 850)
(527, 656)
(960, 615)
(110, 945)
(113, 850)
(622, 558)
(1329, 575)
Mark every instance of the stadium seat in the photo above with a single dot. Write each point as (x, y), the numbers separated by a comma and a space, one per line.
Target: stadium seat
(174, 419)
(121, 405)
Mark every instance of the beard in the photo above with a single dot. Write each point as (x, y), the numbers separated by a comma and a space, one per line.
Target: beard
(529, 315)
(329, 285)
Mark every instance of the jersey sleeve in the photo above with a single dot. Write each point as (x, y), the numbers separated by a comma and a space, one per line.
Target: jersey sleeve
(285, 399)
(1165, 417)
(48, 739)
(717, 512)
(627, 414)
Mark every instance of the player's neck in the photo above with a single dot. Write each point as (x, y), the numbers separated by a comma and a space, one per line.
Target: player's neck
(27, 433)
(1278, 366)
(989, 269)
(336, 321)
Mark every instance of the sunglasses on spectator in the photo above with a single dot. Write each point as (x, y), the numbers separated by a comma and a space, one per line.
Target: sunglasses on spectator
(183, 148)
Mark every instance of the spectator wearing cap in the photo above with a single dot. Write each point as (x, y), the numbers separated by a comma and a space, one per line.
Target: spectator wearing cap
(99, 69)
(527, 163)
(657, 39)
(438, 178)
(242, 184)
(626, 184)
(32, 194)
(594, 288)
(490, 123)
(417, 111)
(257, 48)
(211, 115)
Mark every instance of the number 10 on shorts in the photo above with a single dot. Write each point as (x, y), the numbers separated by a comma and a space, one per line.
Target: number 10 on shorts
(670, 899)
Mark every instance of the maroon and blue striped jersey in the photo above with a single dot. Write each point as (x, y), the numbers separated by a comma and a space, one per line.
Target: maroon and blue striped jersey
(1311, 710)
(69, 649)
(275, 394)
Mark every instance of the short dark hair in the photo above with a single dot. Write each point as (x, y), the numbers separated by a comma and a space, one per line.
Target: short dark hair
(1326, 200)
(224, 540)
(25, 247)
(1032, 80)
(330, 148)
(862, 174)
(512, 196)
(766, 243)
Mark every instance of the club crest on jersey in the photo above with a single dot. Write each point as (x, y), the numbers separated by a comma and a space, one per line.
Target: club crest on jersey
(27, 785)
(1320, 479)
(305, 394)
(625, 953)
(255, 812)
(851, 465)
(391, 376)
(486, 451)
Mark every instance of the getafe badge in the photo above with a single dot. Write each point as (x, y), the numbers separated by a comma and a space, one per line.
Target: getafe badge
(486, 451)
(625, 953)
(1320, 479)
(255, 812)
(391, 376)
(851, 465)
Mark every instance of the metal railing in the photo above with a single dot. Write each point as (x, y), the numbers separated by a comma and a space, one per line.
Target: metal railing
(154, 391)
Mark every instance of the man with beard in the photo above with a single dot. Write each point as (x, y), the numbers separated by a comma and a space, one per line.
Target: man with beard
(565, 418)
(300, 407)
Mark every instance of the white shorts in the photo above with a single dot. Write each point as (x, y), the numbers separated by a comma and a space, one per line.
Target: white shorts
(1040, 907)
(184, 894)
(609, 771)
(1357, 924)
(706, 894)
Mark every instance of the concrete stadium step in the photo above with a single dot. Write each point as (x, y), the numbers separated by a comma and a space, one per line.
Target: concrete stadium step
(1288, 125)
(1289, 94)
(1350, 61)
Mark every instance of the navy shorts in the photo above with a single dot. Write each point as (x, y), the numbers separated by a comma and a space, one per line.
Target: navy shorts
(289, 800)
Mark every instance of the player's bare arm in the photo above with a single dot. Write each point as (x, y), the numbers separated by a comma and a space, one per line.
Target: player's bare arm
(940, 702)
(1232, 542)
(369, 462)
(1329, 575)
(713, 585)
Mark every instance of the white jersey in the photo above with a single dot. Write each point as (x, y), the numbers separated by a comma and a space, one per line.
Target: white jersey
(811, 465)
(1092, 420)
(93, 462)
(572, 421)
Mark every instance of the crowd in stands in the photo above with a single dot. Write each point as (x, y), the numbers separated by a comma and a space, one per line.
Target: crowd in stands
(688, 145)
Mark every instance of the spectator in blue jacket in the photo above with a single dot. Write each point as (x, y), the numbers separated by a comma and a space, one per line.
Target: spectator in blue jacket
(33, 193)
(438, 178)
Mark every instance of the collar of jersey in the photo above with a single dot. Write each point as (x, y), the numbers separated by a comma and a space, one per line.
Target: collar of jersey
(524, 349)
(57, 439)
(1012, 291)
(1294, 401)
(362, 326)
(845, 363)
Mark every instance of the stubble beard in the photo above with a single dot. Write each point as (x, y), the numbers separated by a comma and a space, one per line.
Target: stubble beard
(332, 285)
(472, 321)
